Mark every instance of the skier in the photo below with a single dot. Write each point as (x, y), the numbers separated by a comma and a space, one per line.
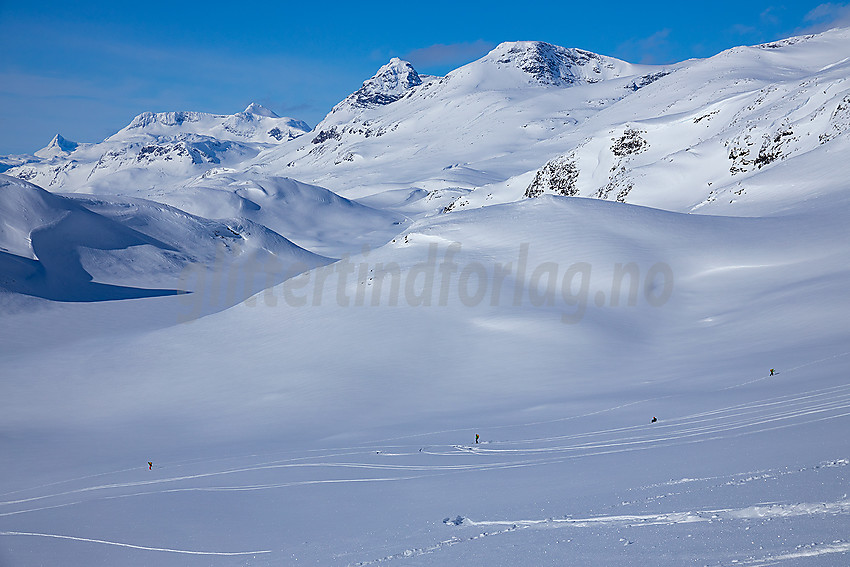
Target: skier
(654, 419)
(150, 465)
(771, 371)
(476, 439)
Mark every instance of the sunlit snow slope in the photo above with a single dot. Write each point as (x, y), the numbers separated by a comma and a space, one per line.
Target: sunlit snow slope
(471, 356)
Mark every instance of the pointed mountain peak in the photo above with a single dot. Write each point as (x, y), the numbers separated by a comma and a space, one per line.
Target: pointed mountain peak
(62, 143)
(390, 83)
(57, 146)
(260, 110)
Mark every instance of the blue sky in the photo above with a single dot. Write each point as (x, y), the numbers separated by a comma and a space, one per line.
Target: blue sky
(85, 69)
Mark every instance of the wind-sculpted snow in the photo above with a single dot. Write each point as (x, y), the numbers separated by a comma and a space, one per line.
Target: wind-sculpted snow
(550, 309)
(68, 248)
(40, 252)
(311, 216)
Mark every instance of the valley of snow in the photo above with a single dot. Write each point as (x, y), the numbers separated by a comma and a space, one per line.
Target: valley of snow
(304, 334)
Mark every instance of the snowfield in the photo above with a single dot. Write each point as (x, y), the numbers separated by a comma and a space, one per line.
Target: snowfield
(550, 309)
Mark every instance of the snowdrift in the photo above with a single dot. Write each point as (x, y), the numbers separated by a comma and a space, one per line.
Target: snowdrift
(483, 359)
(69, 248)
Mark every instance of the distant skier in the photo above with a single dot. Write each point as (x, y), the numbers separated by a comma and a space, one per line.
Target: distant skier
(654, 419)
(771, 371)
(150, 465)
(476, 439)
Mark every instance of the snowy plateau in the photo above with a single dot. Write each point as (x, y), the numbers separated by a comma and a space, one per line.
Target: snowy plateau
(552, 308)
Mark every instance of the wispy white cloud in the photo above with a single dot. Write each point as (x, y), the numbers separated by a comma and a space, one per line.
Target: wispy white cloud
(743, 30)
(656, 48)
(443, 55)
(771, 16)
(827, 16)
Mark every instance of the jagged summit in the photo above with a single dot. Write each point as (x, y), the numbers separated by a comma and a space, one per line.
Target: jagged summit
(389, 84)
(62, 143)
(58, 146)
(550, 64)
(175, 145)
(260, 110)
(147, 119)
(256, 123)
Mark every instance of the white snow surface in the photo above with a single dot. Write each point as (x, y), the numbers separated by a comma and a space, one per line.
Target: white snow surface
(159, 149)
(550, 309)
(58, 146)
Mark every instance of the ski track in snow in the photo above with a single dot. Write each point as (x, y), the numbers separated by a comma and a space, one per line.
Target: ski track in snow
(142, 547)
(802, 551)
(749, 512)
(720, 423)
(732, 418)
(747, 418)
(738, 479)
(733, 421)
(755, 512)
(738, 97)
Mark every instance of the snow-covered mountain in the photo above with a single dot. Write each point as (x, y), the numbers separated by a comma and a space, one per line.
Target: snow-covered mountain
(9, 161)
(390, 83)
(448, 134)
(159, 149)
(58, 146)
(702, 133)
(549, 64)
(552, 308)
(695, 134)
(255, 124)
(197, 163)
(743, 128)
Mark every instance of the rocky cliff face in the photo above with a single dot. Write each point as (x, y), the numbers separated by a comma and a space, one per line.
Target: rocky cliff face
(549, 64)
(557, 177)
(390, 83)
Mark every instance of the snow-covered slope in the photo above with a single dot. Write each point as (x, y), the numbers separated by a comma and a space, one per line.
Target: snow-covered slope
(194, 161)
(69, 248)
(9, 161)
(701, 133)
(649, 384)
(330, 408)
(311, 216)
(255, 124)
(58, 146)
(390, 83)
(159, 149)
(547, 64)
(734, 134)
(450, 134)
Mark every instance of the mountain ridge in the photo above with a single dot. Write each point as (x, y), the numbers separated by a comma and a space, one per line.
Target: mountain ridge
(532, 100)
